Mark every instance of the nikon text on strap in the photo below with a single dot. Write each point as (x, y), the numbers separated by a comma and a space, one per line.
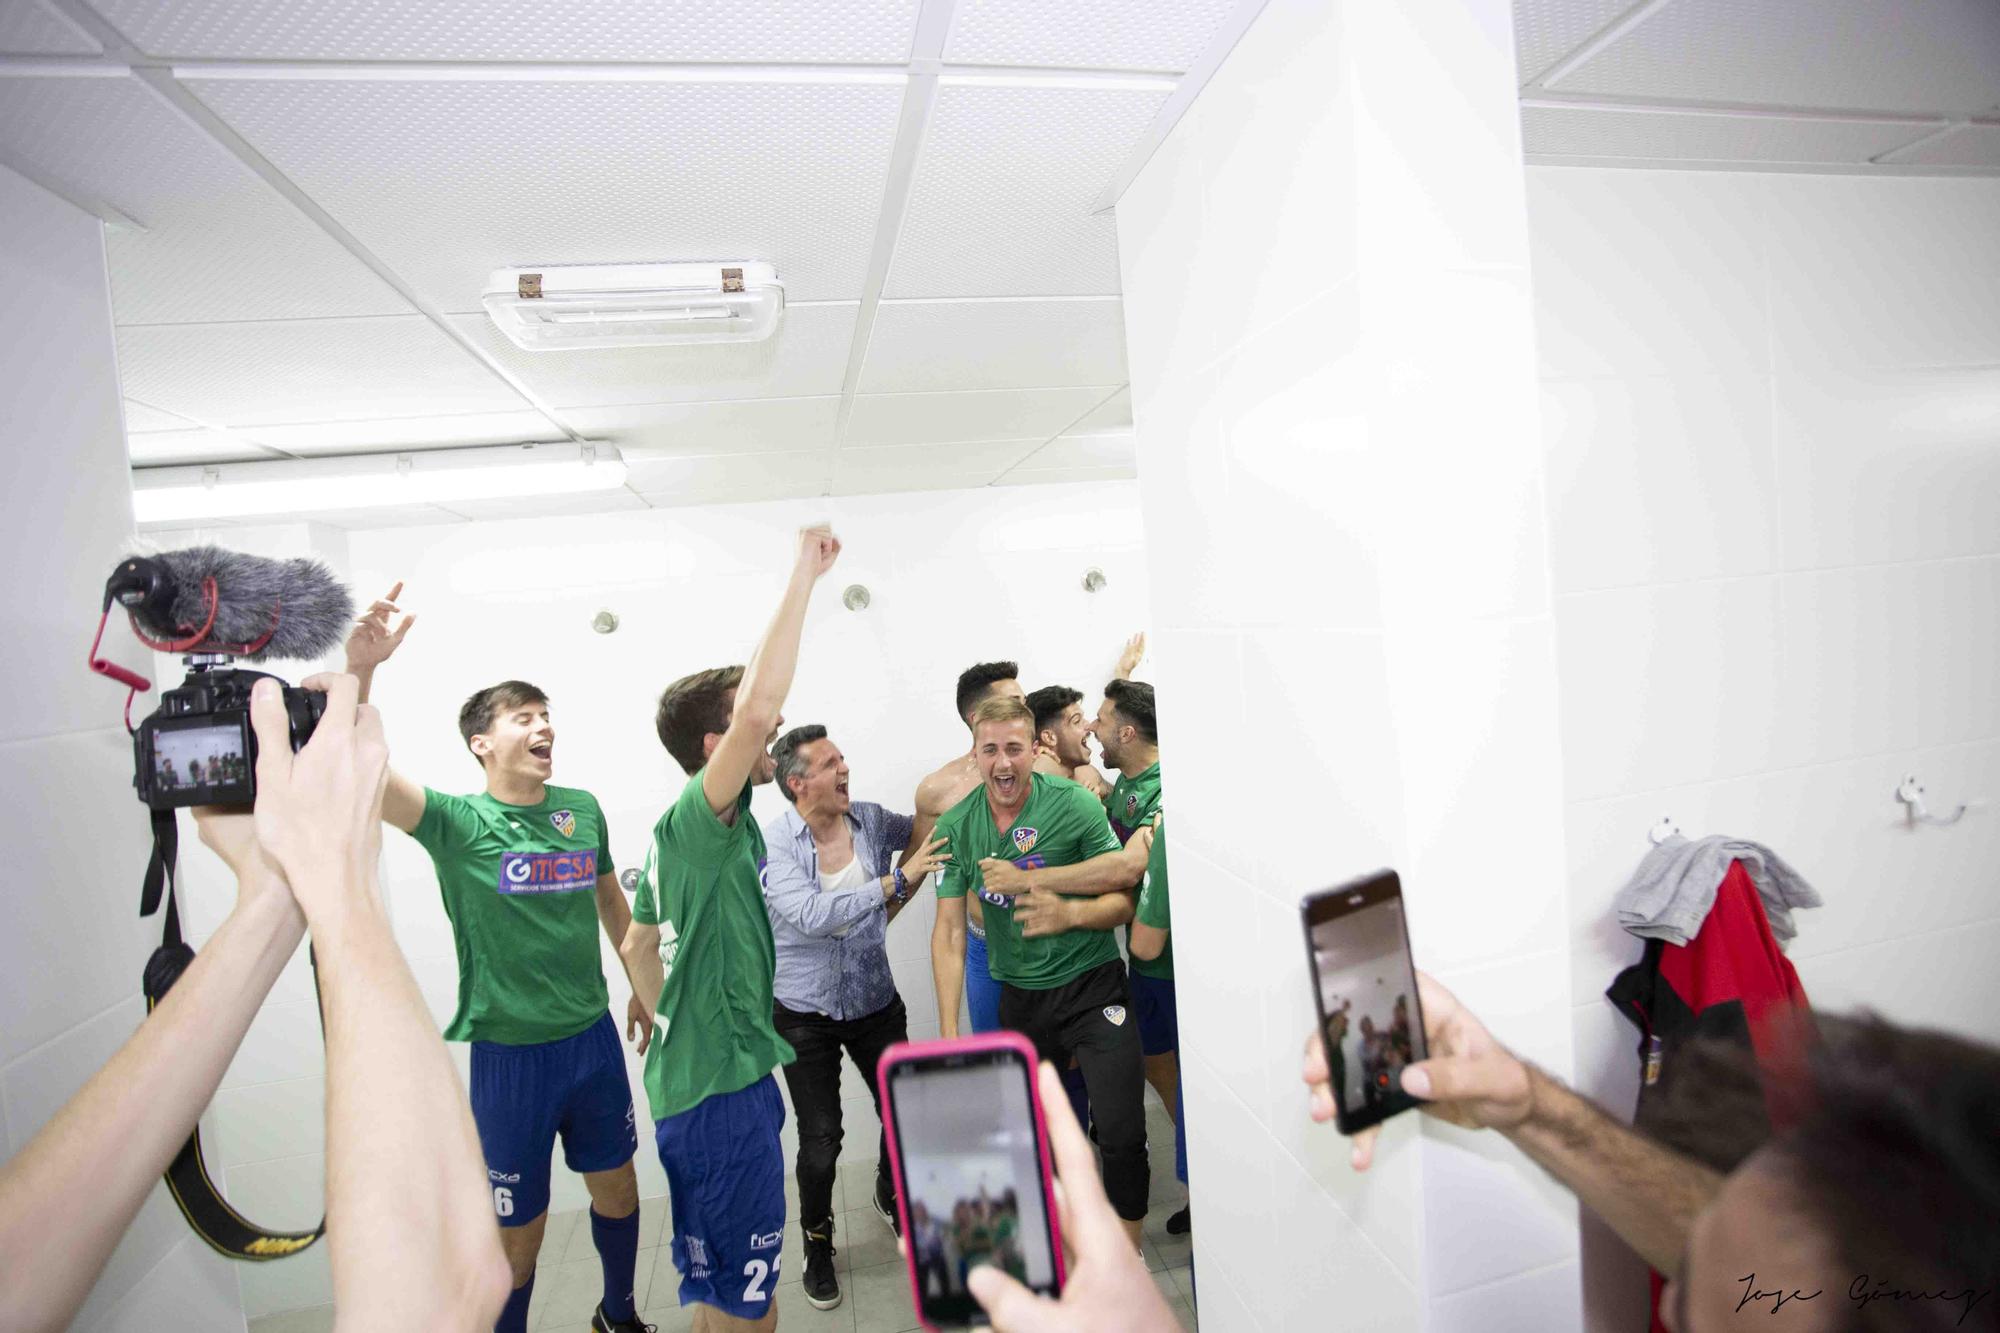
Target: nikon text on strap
(227, 1231)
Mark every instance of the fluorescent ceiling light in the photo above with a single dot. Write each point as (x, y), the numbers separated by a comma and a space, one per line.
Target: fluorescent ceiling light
(372, 481)
(568, 308)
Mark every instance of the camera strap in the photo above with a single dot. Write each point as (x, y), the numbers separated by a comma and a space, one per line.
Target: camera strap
(227, 1231)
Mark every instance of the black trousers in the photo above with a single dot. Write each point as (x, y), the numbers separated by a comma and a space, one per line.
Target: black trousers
(1091, 1018)
(814, 1081)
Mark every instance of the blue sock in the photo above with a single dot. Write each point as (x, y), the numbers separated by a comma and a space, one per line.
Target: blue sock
(617, 1241)
(514, 1314)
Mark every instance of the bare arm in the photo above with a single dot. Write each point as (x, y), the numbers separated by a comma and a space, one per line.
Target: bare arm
(1040, 911)
(641, 952)
(616, 918)
(948, 962)
(1647, 1193)
(1146, 942)
(124, 1126)
(371, 644)
(409, 1213)
(1129, 659)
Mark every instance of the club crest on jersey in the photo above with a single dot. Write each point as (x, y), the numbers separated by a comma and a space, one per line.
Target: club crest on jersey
(565, 822)
(1024, 840)
(1131, 806)
(1116, 1013)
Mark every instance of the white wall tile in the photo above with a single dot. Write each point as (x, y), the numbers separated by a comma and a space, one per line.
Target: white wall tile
(1874, 276)
(1232, 1158)
(1942, 979)
(1659, 480)
(293, 1283)
(192, 1290)
(1545, 1298)
(1669, 684)
(1489, 1212)
(1645, 273)
(1884, 465)
(1892, 655)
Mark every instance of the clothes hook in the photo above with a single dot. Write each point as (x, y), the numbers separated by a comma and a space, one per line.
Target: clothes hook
(1911, 794)
(1664, 829)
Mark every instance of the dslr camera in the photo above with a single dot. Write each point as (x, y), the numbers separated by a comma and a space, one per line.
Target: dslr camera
(198, 747)
(218, 607)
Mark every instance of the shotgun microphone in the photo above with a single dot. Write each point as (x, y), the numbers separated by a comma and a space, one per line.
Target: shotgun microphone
(207, 600)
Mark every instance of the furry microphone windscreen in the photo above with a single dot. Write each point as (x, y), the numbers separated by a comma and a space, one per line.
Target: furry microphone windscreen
(314, 609)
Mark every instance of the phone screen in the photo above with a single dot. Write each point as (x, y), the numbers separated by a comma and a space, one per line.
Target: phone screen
(1366, 988)
(971, 1163)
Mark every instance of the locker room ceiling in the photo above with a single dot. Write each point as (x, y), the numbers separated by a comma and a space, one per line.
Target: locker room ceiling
(303, 200)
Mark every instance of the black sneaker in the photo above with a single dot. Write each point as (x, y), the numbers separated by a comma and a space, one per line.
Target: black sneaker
(885, 1203)
(822, 1284)
(1180, 1223)
(600, 1324)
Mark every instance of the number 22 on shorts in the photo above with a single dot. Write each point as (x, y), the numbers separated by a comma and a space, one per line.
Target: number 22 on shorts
(757, 1271)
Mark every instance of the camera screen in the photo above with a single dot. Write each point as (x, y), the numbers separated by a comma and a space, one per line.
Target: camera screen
(972, 1168)
(1368, 991)
(193, 758)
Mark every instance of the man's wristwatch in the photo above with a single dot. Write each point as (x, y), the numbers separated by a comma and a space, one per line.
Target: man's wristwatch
(902, 884)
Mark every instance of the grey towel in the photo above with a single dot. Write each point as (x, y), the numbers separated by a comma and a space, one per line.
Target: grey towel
(1669, 895)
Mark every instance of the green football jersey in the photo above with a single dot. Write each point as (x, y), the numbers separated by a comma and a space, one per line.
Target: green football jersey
(1154, 910)
(702, 887)
(1132, 801)
(1060, 824)
(519, 884)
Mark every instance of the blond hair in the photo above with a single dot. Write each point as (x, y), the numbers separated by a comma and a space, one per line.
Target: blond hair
(1003, 708)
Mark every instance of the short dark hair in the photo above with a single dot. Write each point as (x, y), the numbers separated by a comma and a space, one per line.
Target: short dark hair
(690, 709)
(1133, 699)
(1049, 703)
(475, 717)
(1891, 1153)
(790, 762)
(977, 681)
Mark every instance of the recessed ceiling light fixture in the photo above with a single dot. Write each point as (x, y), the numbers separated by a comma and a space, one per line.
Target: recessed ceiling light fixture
(370, 481)
(571, 307)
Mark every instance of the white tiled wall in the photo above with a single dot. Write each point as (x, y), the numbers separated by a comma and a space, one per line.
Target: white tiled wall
(1331, 350)
(75, 946)
(1772, 412)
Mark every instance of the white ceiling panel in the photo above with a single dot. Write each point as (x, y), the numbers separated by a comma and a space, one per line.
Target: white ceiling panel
(1065, 476)
(307, 370)
(806, 357)
(829, 31)
(1705, 136)
(1966, 146)
(447, 180)
(549, 506)
(1001, 201)
(397, 433)
(218, 244)
(684, 481)
(927, 346)
(685, 430)
(1112, 416)
(941, 418)
(1074, 451)
(170, 448)
(140, 418)
(1547, 30)
(1875, 55)
(989, 456)
(31, 28)
(1103, 34)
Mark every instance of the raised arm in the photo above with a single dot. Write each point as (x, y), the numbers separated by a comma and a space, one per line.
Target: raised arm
(409, 1216)
(124, 1126)
(370, 645)
(767, 679)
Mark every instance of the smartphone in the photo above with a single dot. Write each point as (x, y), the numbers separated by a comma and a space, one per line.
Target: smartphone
(1365, 985)
(971, 1159)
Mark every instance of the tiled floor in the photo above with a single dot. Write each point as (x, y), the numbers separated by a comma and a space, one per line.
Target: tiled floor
(876, 1286)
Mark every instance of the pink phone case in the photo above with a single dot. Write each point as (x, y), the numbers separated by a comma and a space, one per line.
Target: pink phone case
(905, 1051)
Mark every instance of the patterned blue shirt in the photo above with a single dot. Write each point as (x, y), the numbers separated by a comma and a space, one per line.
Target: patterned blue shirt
(819, 972)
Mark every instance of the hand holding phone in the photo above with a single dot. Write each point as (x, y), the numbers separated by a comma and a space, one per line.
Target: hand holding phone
(969, 1149)
(1371, 1021)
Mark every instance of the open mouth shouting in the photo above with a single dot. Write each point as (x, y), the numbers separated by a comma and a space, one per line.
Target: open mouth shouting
(544, 751)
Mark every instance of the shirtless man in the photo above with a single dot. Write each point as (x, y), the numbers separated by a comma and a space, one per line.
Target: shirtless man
(938, 793)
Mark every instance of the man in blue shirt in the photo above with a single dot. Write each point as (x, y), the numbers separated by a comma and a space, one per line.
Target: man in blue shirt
(831, 887)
